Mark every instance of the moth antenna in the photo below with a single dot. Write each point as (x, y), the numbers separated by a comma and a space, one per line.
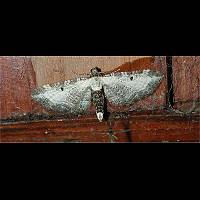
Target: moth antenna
(117, 70)
(109, 72)
(81, 75)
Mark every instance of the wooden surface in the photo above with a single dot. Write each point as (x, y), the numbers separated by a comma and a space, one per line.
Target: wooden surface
(51, 69)
(186, 82)
(143, 127)
(20, 75)
(17, 80)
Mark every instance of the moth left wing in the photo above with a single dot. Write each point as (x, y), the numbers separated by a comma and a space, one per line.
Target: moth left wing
(127, 87)
(69, 97)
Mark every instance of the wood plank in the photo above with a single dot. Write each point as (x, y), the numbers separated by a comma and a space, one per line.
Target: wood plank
(17, 80)
(186, 82)
(51, 69)
(141, 127)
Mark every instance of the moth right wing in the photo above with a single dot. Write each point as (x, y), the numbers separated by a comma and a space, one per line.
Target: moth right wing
(69, 97)
(123, 88)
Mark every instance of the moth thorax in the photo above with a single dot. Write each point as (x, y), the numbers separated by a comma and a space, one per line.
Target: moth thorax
(96, 84)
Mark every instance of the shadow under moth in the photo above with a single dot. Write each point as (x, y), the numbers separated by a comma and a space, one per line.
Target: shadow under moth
(119, 88)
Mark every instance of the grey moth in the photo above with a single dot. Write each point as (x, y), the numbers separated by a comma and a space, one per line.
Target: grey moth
(119, 88)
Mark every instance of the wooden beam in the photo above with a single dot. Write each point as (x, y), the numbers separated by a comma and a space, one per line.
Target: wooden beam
(140, 127)
(186, 73)
(17, 80)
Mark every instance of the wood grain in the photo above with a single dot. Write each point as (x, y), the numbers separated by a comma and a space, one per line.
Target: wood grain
(186, 82)
(51, 69)
(17, 80)
(144, 127)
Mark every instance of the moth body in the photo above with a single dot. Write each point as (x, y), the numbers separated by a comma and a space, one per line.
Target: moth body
(97, 96)
(96, 84)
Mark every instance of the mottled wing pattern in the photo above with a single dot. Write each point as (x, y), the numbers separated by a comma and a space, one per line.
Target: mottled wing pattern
(127, 87)
(70, 97)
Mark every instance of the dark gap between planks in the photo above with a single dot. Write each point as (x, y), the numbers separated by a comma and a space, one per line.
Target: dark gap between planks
(170, 87)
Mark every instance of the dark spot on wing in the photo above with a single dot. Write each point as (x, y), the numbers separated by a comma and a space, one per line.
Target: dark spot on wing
(62, 88)
(131, 78)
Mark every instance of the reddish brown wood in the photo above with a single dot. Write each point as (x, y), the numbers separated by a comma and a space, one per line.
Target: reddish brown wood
(186, 75)
(50, 69)
(17, 80)
(143, 127)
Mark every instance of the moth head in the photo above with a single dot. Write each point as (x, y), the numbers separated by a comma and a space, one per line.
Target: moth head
(95, 71)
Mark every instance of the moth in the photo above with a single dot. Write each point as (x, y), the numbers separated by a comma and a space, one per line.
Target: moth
(119, 88)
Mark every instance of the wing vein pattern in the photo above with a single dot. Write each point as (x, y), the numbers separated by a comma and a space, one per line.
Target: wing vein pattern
(127, 87)
(70, 97)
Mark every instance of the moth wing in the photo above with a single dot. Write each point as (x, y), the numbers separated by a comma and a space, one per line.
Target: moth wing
(70, 97)
(125, 88)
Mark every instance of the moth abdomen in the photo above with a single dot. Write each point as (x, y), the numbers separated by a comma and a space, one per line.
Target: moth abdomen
(98, 101)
